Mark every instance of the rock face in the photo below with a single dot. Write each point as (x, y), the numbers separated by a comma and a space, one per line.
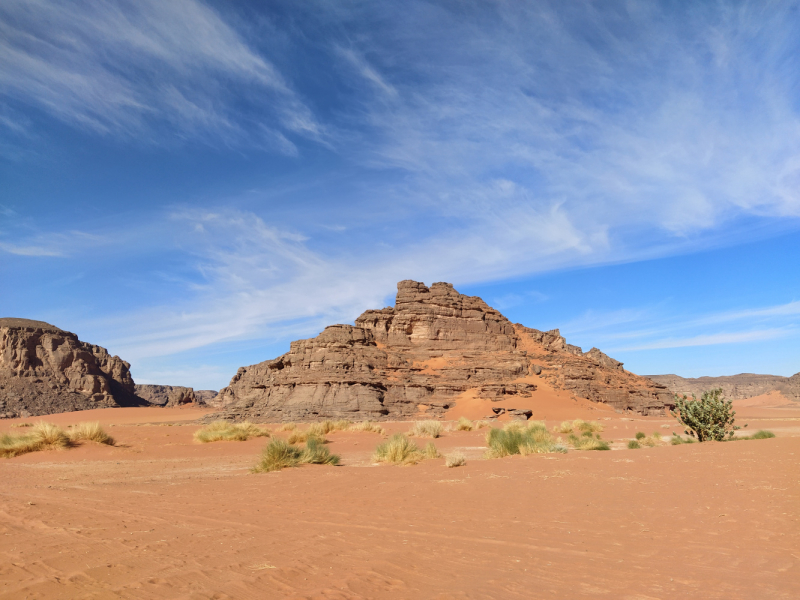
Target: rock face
(174, 395)
(432, 346)
(45, 370)
(734, 387)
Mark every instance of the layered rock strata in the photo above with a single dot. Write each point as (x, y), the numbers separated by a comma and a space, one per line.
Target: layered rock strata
(46, 370)
(420, 355)
(734, 387)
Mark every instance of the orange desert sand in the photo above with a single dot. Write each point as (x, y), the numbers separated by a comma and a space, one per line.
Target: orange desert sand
(159, 516)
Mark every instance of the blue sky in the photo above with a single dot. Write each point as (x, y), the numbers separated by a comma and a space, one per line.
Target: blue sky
(195, 184)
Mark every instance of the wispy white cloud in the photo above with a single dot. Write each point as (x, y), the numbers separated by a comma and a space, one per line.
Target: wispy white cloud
(715, 339)
(130, 68)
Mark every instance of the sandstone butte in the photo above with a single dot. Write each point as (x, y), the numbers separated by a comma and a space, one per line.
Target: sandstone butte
(734, 387)
(46, 370)
(434, 348)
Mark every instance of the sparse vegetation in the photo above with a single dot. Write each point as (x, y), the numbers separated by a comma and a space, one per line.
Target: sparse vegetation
(640, 435)
(301, 437)
(762, 435)
(588, 442)
(633, 445)
(677, 440)
(464, 424)
(430, 451)
(225, 431)
(288, 427)
(709, 419)
(482, 424)
(455, 459)
(22, 425)
(368, 426)
(329, 426)
(579, 426)
(279, 454)
(523, 438)
(399, 450)
(42, 436)
(90, 432)
(432, 429)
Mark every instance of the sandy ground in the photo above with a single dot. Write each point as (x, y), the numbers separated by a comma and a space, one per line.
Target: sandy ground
(158, 516)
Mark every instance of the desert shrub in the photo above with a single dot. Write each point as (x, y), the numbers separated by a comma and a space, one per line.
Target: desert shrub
(464, 424)
(90, 432)
(455, 459)
(677, 440)
(430, 451)
(42, 436)
(520, 438)
(279, 454)
(709, 419)
(588, 443)
(565, 427)
(656, 435)
(640, 435)
(633, 445)
(762, 435)
(367, 426)
(398, 449)
(584, 426)
(328, 426)
(316, 453)
(288, 427)
(431, 429)
(225, 431)
(301, 437)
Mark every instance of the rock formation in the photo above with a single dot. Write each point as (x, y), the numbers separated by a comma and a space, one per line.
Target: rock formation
(734, 387)
(174, 395)
(45, 370)
(432, 346)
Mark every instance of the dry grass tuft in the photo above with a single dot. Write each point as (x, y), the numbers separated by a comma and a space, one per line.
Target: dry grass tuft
(279, 454)
(588, 442)
(398, 450)
(565, 427)
(482, 424)
(22, 425)
(90, 432)
(432, 429)
(225, 431)
(455, 459)
(586, 426)
(519, 437)
(288, 427)
(464, 424)
(677, 440)
(301, 437)
(42, 436)
(430, 451)
(368, 426)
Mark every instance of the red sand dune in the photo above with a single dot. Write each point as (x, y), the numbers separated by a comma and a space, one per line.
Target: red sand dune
(159, 516)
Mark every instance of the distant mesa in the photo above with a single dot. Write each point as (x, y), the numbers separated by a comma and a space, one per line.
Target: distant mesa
(170, 396)
(45, 370)
(432, 348)
(734, 387)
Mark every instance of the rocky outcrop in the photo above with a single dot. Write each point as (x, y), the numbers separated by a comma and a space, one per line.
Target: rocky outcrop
(174, 395)
(45, 370)
(734, 387)
(432, 346)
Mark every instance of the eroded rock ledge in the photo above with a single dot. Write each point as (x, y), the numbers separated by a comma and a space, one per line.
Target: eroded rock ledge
(432, 346)
(46, 370)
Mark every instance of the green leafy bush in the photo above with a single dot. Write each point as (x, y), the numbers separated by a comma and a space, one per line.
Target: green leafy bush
(711, 418)
(633, 445)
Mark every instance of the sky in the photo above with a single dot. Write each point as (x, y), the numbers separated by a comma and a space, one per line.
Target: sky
(194, 184)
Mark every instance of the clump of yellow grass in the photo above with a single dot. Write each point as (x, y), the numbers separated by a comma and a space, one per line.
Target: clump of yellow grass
(399, 450)
(225, 431)
(42, 436)
(368, 426)
(521, 437)
(432, 429)
(455, 459)
(579, 426)
(279, 454)
(288, 427)
(464, 424)
(90, 432)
